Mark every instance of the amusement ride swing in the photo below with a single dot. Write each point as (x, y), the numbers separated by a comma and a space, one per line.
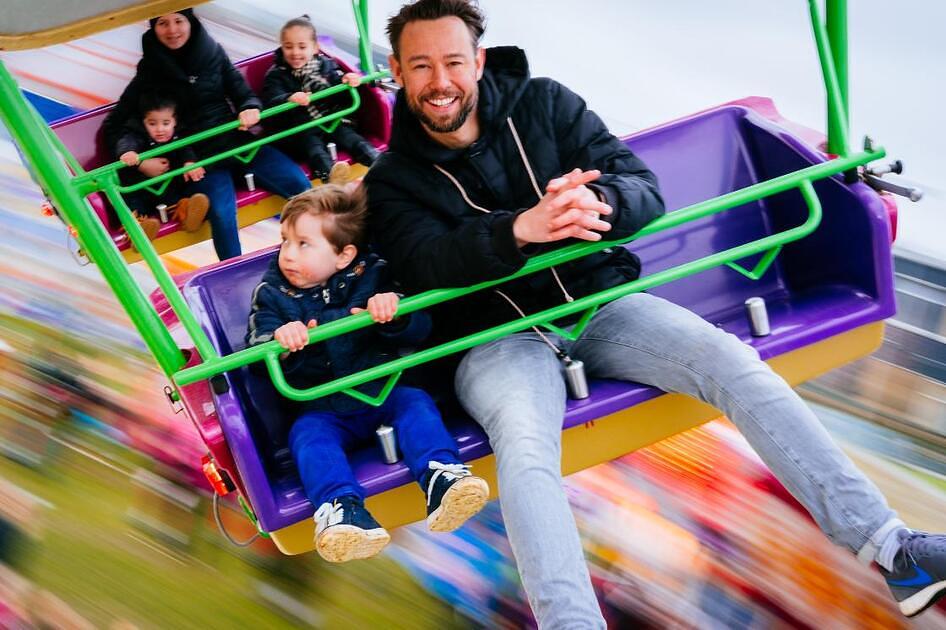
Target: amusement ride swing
(757, 206)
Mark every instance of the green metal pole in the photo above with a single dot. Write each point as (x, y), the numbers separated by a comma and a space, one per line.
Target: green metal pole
(837, 110)
(836, 21)
(360, 8)
(160, 273)
(93, 238)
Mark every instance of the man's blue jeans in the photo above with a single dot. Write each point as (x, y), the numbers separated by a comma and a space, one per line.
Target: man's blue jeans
(272, 170)
(318, 441)
(514, 388)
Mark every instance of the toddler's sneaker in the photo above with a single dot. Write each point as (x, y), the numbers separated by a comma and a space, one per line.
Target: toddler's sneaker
(149, 225)
(191, 211)
(340, 173)
(453, 496)
(345, 530)
(919, 576)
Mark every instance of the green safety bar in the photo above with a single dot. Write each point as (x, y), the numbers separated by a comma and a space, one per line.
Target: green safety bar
(269, 352)
(99, 178)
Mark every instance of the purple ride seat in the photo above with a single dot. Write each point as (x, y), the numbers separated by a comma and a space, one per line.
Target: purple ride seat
(834, 280)
(82, 135)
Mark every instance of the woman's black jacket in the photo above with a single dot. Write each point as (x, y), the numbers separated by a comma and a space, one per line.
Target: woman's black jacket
(200, 78)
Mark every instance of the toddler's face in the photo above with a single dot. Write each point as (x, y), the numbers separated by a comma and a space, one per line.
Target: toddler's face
(298, 46)
(306, 257)
(159, 123)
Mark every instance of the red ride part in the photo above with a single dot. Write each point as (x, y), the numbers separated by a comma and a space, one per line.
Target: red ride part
(219, 479)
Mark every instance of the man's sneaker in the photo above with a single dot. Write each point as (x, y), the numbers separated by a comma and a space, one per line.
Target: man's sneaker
(191, 211)
(345, 530)
(453, 496)
(919, 576)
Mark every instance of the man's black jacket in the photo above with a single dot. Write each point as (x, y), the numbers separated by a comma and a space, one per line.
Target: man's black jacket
(433, 238)
(207, 88)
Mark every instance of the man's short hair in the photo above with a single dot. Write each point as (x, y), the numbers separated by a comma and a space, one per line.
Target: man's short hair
(466, 10)
(346, 208)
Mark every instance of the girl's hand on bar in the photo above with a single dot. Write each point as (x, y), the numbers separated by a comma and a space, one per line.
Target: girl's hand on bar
(152, 167)
(248, 118)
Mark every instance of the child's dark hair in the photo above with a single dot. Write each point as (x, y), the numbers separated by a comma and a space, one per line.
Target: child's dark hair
(421, 10)
(150, 102)
(347, 208)
(302, 21)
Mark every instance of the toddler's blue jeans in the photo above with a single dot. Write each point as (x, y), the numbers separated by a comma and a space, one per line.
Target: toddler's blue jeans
(319, 439)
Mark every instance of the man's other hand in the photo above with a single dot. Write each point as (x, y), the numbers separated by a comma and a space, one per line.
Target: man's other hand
(569, 209)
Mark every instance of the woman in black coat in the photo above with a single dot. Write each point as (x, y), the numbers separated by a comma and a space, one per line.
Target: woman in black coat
(182, 61)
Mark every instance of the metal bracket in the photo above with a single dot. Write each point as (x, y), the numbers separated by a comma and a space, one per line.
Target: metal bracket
(761, 267)
(331, 126)
(577, 329)
(252, 516)
(248, 156)
(375, 401)
(174, 399)
(157, 192)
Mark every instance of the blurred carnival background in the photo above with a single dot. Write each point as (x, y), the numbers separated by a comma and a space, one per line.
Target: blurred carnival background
(105, 519)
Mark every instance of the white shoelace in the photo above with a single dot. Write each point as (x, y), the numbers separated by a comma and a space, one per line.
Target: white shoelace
(329, 514)
(448, 471)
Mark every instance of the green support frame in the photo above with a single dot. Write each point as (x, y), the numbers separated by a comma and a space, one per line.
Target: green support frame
(831, 41)
(360, 8)
(67, 183)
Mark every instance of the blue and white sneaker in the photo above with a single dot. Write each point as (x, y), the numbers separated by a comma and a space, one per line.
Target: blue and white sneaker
(345, 530)
(453, 496)
(919, 576)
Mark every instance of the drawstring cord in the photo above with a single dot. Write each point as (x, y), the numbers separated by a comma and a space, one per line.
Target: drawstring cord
(535, 187)
(460, 188)
(525, 160)
(558, 351)
(574, 369)
(538, 193)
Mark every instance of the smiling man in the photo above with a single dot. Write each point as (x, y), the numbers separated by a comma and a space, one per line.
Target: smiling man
(487, 167)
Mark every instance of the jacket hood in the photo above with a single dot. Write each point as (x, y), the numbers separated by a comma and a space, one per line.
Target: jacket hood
(158, 58)
(279, 59)
(505, 78)
(188, 13)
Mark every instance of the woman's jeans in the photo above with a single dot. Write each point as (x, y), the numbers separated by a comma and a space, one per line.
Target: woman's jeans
(514, 388)
(319, 440)
(272, 170)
